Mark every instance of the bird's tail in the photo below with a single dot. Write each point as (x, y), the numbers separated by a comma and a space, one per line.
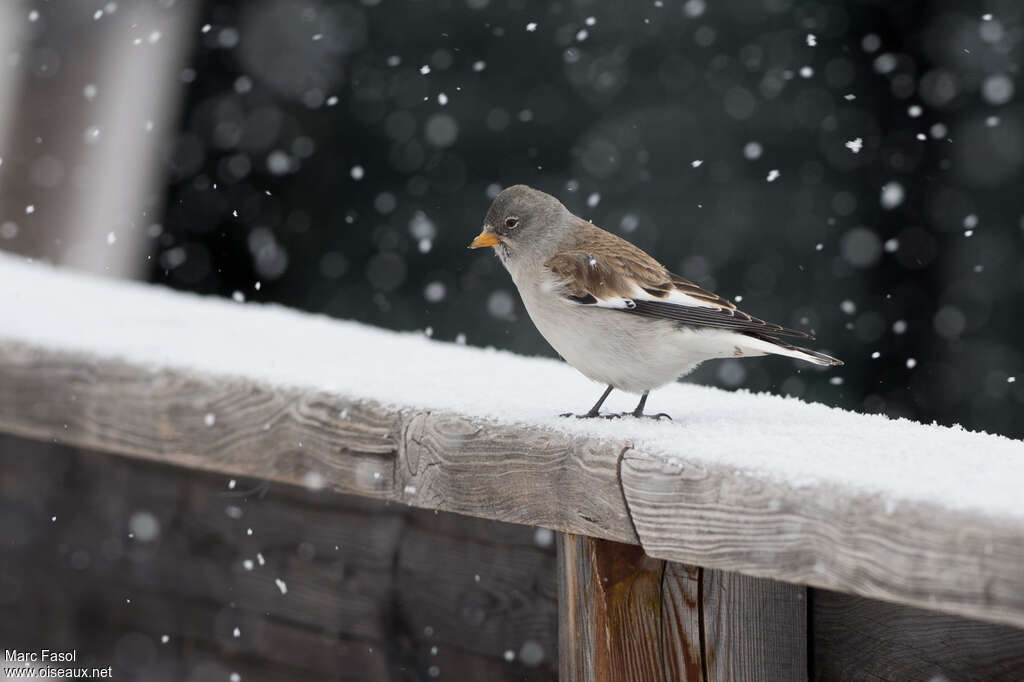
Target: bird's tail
(773, 346)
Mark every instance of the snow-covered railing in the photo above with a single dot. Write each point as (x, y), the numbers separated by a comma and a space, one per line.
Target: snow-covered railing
(753, 484)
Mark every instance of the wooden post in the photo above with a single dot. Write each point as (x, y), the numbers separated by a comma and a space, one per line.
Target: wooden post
(624, 616)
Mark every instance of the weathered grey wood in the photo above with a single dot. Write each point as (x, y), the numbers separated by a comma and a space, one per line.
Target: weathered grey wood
(858, 639)
(610, 613)
(754, 628)
(215, 423)
(514, 474)
(375, 591)
(937, 558)
(477, 590)
(284, 434)
(694, 513)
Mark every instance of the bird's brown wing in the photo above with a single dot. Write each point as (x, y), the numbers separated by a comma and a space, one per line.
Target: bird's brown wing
(604, 270)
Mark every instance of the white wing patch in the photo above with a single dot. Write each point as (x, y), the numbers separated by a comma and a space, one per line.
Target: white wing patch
(616, 303)
(638, 293)
(679, 298)
(674, 297)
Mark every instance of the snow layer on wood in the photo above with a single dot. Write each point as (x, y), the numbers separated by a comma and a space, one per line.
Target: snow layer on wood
(781, 438)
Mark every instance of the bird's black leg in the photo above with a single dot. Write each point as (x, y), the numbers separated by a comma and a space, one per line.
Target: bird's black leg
(595, 410)
(639, 411)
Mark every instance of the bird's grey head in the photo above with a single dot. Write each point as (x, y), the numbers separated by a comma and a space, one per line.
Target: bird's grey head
(523, 221)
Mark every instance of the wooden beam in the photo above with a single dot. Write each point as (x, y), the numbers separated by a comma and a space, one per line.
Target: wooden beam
(922, 555)
(862, 639)
(431, 460)
(685, 510)
(625, 616)
(609, 624)
(755, 628)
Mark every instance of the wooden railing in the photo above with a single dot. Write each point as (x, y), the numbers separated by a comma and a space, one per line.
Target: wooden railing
(674, 563)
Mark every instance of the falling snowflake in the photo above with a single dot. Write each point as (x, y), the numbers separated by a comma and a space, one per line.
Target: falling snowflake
(892, 195)
(855, 145)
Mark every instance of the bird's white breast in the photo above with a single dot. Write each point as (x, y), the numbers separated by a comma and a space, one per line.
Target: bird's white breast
(630, 352)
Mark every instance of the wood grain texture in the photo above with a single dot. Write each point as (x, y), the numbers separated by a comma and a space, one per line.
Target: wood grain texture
(682, 621)
(515, 474)
(375, 590)
(428, 460)
(755, 629)
(686, 511)
(221, 424)
(625, 616)
(609, 612)
(936, 558)
(862, 639)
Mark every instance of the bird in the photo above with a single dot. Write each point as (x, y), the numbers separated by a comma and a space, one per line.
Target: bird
(612, 311)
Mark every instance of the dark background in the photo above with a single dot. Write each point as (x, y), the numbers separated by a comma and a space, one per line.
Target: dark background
(285, 98)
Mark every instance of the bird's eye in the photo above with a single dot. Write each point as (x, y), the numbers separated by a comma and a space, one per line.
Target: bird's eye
(511, 222)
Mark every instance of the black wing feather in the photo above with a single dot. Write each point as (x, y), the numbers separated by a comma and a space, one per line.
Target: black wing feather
(717, 318)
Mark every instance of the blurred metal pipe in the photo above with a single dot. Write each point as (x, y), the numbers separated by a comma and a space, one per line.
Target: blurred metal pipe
(10, 76)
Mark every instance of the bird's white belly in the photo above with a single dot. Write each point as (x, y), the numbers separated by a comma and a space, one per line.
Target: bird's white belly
(630, 352)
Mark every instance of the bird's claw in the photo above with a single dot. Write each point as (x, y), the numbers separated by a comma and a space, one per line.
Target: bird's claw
(655, 417)
(591, 416)
(618, 415)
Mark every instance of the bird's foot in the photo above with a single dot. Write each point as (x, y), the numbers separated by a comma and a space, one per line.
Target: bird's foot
(655, 417)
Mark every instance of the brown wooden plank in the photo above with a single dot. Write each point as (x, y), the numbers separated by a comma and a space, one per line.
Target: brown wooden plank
(610, 612)
(626, 616)
(682, 621)
(858, 639)
(720, 518)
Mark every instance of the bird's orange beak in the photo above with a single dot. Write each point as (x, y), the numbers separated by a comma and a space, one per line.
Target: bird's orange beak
(485, 238)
